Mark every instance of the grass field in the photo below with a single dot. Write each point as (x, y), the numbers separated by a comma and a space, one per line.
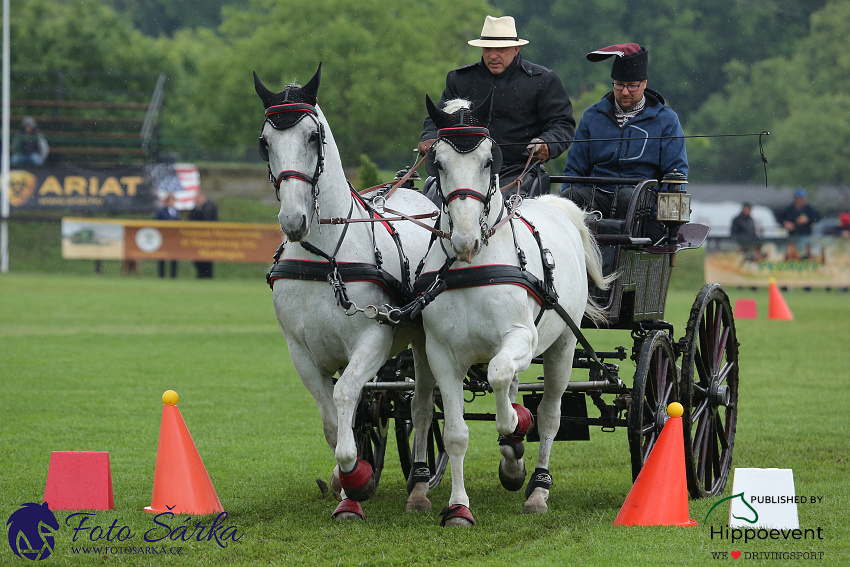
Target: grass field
(85, 360)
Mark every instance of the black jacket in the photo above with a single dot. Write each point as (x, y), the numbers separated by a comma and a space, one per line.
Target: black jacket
(206, 212)
(743, 227)
(529, 101)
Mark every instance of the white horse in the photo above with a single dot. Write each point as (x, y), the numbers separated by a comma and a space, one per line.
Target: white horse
(488, 315)
(323, 325)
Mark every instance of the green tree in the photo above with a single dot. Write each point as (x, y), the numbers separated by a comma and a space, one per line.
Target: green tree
(86, 41)
(165, 17)
(800, 99)
(77, 37)
(367, 174)
(689, 41)
(379, 61)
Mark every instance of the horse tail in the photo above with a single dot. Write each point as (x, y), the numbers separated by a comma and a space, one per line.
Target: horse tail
(592, 255)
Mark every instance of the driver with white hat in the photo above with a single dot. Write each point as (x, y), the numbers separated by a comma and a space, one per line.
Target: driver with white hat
(529, 109)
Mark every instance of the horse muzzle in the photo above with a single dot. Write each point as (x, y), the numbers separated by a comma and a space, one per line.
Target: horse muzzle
(296, 227)
(466, 248)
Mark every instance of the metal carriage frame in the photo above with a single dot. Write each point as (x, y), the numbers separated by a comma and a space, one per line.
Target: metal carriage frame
(699, 369)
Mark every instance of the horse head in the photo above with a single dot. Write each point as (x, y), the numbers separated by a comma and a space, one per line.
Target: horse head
(465, 160)
(293, 143)
(31, 530)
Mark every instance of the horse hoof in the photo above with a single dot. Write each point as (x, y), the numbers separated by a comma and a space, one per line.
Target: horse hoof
(535, 508)
(537, 493)
(349, 510)
(359, 484)
(513, 445)
(418, 501)
(457, 516)
(511, 478)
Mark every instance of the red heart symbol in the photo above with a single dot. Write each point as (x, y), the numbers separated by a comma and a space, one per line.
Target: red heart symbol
(735, 554)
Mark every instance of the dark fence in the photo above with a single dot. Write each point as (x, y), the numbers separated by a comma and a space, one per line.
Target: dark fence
(93, 119)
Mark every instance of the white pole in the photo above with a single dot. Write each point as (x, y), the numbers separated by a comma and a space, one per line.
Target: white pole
(4, 160)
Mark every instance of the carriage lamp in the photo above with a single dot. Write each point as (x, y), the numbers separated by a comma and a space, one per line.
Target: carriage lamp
(674, 204)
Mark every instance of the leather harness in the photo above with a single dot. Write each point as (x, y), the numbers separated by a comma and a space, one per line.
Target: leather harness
(339, 273)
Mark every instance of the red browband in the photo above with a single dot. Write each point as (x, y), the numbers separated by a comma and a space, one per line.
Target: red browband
(290, 107)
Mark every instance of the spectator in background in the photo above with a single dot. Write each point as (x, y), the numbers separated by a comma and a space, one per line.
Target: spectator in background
(799, 216)
(205, 210)
(29, 146)
(744, 231)
(743, 226)
(167, 212)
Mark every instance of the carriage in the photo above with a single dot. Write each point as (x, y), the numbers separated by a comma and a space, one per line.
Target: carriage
(698, 369)
(352, 357)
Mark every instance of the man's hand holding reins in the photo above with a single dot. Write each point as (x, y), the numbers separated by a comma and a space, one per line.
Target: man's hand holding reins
(538, 149)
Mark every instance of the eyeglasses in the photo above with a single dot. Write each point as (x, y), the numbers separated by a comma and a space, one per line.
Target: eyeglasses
(631, 87)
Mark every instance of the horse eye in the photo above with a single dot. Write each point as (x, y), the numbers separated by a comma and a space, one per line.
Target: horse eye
(489, 163)
(313, 137)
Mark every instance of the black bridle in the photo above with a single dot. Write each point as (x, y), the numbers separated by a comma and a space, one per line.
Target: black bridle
(464, 139)
(278, 122)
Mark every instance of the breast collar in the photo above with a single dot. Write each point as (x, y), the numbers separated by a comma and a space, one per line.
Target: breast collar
(543, 291)
(339, 273)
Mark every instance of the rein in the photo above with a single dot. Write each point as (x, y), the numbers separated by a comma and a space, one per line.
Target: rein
(378, 203)
(514, 201)
(397, 184)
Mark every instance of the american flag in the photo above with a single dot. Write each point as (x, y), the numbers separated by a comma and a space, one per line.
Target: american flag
(181, 179)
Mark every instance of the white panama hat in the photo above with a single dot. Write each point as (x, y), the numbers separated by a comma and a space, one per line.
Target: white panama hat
(498, 32)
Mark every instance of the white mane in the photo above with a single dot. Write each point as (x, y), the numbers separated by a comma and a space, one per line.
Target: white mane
(452, 106)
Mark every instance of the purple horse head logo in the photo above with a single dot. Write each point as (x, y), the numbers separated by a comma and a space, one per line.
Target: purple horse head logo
(31, 530)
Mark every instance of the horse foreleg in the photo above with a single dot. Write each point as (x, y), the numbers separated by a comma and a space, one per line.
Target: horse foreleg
(322, 389)
(513, 356)
(422, 412)
(557, 367)
(456, 439)
(356, 475)
(455, 432)
(513, 421)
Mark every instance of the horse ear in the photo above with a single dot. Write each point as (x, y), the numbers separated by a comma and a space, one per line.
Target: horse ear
(482, 111)
(311, 89)
(264, 93)
(438, 116)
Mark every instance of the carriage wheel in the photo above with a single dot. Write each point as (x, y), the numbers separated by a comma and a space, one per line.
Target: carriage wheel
(370, 431)
(656, 385)
(436, 455)
(709, 391)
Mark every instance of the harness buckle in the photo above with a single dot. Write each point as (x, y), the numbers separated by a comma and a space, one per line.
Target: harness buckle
(548, 259)
(514, 202)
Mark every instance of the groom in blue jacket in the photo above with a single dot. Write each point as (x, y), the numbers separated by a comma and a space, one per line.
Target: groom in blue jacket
(633, 134)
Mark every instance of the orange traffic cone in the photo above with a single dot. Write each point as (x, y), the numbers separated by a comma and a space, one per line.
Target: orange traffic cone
(776, 306)
(180, 484)
(659, 496)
